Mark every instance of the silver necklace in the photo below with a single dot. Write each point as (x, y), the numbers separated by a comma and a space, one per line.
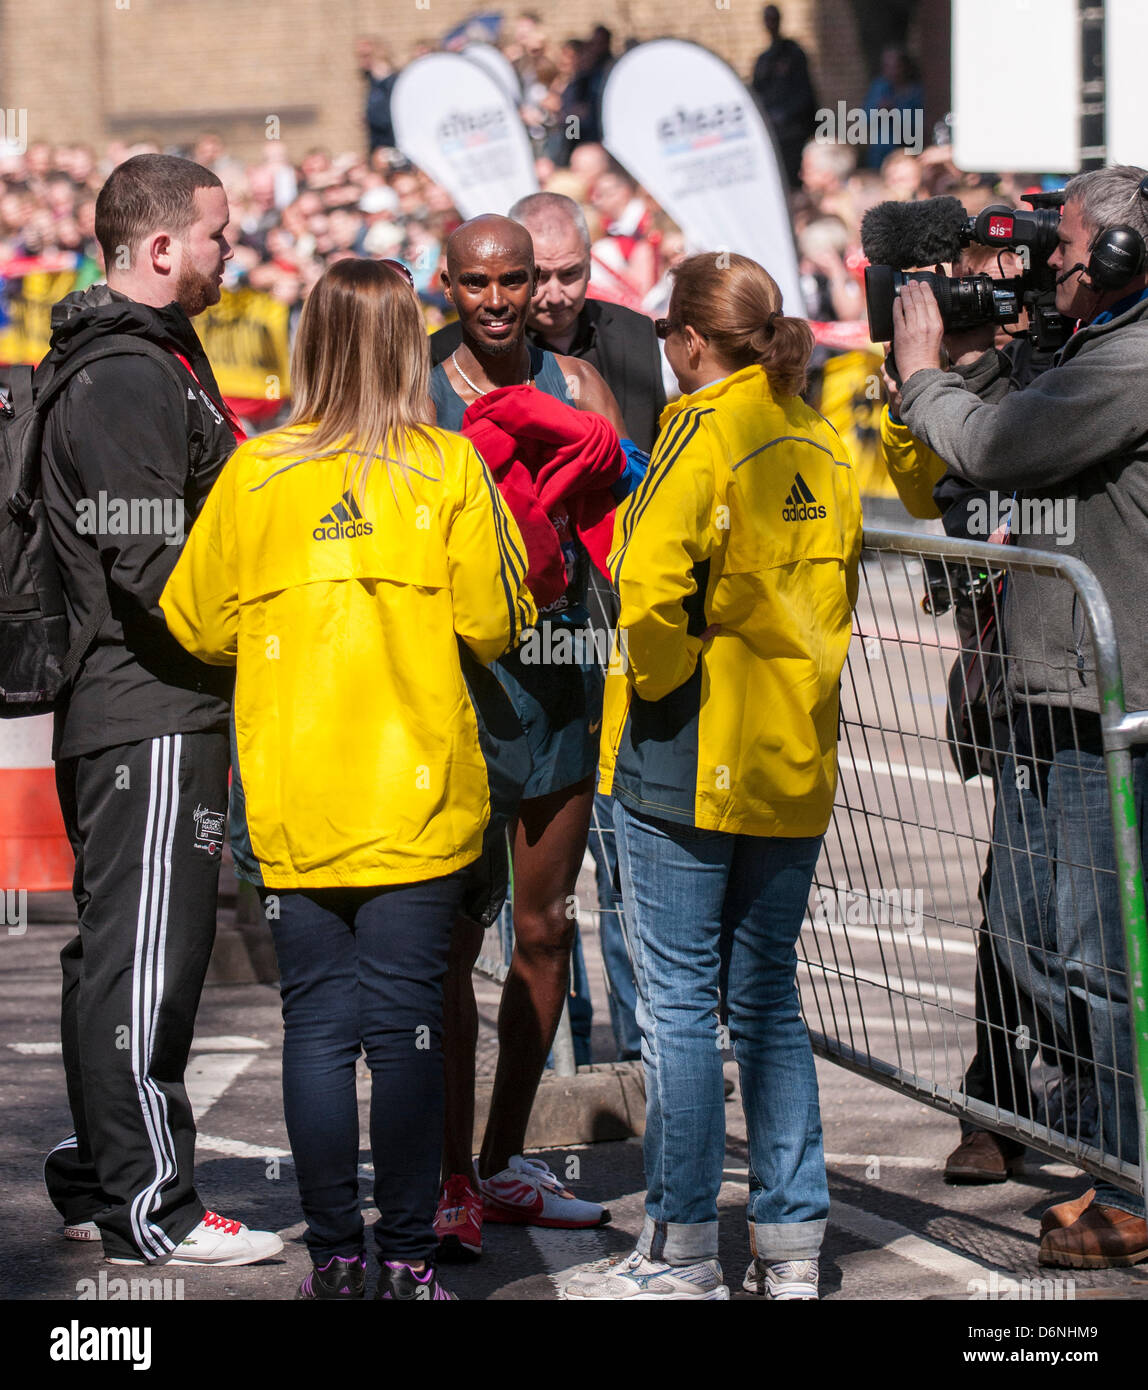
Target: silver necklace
(473, 387)
(459, 370)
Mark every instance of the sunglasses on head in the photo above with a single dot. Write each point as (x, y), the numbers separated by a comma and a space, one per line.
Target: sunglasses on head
(402, 270)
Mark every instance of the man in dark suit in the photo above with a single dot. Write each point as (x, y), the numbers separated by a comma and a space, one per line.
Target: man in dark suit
(620, 343)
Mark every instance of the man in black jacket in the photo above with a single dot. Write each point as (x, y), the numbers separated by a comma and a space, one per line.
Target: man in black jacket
(618, 342)
(131, 450)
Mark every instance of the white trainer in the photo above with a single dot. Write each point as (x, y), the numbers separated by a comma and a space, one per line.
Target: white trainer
(784, 1279)
(529, 1194)
(218, 1241)
(82, 1230)
(647, 1281)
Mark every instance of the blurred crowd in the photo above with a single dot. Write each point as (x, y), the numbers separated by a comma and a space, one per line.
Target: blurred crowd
(295, 212)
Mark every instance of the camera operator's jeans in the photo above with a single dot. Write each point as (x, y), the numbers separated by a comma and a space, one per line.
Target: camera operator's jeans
(700, 903)
(1054, 910)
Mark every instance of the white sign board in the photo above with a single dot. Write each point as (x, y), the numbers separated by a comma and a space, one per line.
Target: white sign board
(498, 65)
(1016, 85)
(1125, 44)
(682, 123)
(457, 124)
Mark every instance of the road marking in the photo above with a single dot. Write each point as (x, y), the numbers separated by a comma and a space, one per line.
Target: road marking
(921, 1033)
(239, 1148)
(206, 1078)
(1048, 1166)
(209, 1077)
(945, 996)
(227, 1043)
(886, 937)
(917, 774)
(890, 1236)
(236, 1148)
(894, 1239)
(555, 1248)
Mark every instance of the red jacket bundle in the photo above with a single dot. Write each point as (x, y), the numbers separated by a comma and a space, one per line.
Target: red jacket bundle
(548, 458)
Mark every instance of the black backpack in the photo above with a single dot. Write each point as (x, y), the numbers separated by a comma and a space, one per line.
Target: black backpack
(36, 660)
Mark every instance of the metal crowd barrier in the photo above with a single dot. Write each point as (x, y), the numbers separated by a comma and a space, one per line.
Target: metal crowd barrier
(930, 944)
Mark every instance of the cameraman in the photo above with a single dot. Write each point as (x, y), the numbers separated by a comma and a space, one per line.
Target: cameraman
(1077, 435)
(998, 1073)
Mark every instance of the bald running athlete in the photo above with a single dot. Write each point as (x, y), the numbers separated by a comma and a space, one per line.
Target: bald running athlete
(490, 278)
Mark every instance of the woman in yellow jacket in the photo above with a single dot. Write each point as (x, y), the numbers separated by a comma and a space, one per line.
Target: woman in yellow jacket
(736, 566)
(337, 564)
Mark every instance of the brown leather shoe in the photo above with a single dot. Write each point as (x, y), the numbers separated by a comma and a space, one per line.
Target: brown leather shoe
(982, 1157)
(1065, 1213)
(1099, 1238)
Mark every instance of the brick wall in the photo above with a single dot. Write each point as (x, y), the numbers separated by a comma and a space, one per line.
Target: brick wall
(94, 70)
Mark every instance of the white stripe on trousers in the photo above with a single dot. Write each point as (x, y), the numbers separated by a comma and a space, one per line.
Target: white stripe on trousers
(71, 1142)
(147, 985)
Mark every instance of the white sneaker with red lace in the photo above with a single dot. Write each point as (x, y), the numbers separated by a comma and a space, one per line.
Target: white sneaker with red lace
(218, 1241)
(529, 1194)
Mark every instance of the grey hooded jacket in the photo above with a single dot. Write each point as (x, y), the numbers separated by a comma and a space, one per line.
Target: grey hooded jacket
(1076, 438)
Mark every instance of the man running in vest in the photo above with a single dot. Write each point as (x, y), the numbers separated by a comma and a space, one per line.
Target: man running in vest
(489, 279)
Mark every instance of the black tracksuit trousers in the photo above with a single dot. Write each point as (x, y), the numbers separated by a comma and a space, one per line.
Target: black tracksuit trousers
(146, 823)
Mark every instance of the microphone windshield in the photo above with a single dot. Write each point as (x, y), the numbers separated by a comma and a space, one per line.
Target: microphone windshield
(905, 235)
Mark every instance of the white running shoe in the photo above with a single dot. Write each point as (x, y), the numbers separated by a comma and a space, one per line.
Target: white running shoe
(645, 1281)
(785, 1279)
(217, 1241)
(82, 1230)
(529, 1194)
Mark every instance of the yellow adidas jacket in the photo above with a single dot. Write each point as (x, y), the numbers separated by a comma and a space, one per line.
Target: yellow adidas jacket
(748, 517)
(356, 758)
(914, 468)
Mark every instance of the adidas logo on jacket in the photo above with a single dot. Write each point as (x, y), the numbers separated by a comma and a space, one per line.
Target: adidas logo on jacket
(343, 521)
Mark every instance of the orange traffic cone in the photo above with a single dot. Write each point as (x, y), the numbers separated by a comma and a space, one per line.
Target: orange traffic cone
(34, 851)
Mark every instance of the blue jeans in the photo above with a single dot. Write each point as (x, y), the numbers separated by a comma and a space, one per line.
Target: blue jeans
(698, 900)
(362, 970)
(1057, 926)
(621, 992)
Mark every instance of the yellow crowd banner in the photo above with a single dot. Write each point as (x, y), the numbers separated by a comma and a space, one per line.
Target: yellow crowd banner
(244, 335)
(28, 310)
(245, 338)
(852, 400)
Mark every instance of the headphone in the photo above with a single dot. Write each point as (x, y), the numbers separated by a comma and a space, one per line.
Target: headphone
(1118, 254)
